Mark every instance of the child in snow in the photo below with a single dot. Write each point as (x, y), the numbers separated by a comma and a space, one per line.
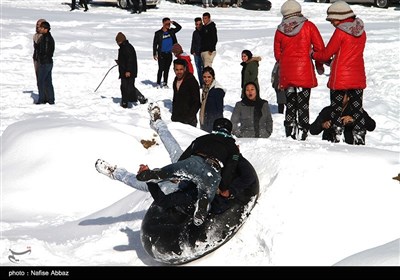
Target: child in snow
(180, 54)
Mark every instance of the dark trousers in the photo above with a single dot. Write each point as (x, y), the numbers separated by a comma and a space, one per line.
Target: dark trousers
(355, 101)
(134, 6)
(81, 2)
(128, 93)
(164, 63)
(297, 107)
(144, 6)
(45, 83)
(199, 66)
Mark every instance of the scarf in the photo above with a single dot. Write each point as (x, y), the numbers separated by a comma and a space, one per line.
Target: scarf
(204, 96)
(291, 26)
(257, 104)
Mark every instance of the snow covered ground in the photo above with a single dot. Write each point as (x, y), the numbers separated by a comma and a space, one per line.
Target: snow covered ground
(321, 204)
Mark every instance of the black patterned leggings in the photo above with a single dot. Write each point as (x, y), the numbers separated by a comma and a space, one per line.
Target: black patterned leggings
(297, 107)
(355, 101)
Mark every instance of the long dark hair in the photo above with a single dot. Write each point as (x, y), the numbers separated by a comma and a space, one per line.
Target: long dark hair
(209, 70)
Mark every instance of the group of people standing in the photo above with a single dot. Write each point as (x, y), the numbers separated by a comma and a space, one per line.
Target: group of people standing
(203, 47)
(205, 97)
(186, 101)
(82, 3)
(221, 3)
(298, 46)
(297, 43)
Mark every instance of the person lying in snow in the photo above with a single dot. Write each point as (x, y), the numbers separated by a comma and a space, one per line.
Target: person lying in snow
(181, 193)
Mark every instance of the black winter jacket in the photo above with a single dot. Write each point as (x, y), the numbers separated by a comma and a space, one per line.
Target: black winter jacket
(195, 47)
(158, 38)
(328, 134)
(127, 60)
(220, 147)
(186, 100)
(45, 49)
(209, 37)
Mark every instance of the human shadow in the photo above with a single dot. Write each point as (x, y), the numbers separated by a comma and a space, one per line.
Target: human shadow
(34, 96)
(135, 244)
(112, 220)
(134, 239)
(148, 82)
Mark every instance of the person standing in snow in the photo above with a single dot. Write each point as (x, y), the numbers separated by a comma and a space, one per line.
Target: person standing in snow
(36, 38)
(144, 6)
(135, 6)
(186, 98)
(128, 69)
(163, 41)
(251, 117)
(207, 3)
(195, 49)
(180, 54)
(294, 38)
(249, 70)
(346, 50)
(45, 51)
(212, 100)
(280, 94)
(81, 2)
(209, 39)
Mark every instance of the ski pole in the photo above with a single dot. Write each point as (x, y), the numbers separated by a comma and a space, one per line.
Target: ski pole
(105, 77)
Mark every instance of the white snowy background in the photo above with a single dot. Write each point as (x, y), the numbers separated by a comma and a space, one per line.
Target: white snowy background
(321, 204)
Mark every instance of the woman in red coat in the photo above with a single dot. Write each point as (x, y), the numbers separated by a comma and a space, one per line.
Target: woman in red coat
(294, 40)
(346, 49)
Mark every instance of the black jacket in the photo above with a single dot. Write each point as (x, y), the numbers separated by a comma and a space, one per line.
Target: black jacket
(158, 38)
(328, 134)
(195, 47)
(127, 60)
(220, 147)
(186, 100)
(45, 49)
(209, 37)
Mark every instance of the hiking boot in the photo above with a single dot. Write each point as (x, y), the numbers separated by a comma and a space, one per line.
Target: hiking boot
(154, 111)
(105, 168)
(164, 85)
(124, 105)
(304, 134)
(142, 100)
(288, 130)
(201, 211)
(148, 175)
(291, 130)
(359, 137)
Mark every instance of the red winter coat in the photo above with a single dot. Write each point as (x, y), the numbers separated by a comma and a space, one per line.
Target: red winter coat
(188, 60)
(347, 46)
(293, 55)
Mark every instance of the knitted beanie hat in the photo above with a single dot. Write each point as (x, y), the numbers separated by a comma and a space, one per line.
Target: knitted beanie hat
(176, 48)
(339, 11)
(290, 8)
(120, 37)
